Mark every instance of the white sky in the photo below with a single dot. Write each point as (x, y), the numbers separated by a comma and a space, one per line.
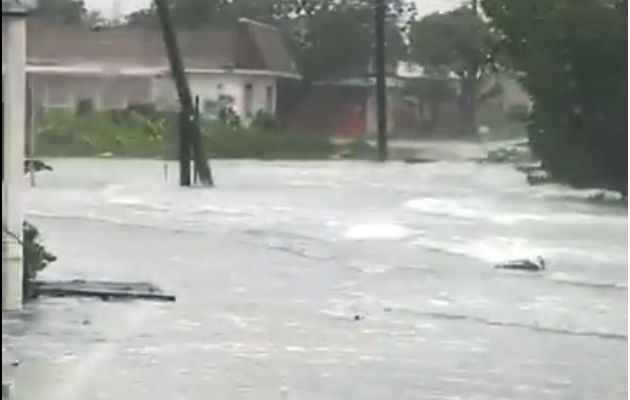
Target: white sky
(111, 8)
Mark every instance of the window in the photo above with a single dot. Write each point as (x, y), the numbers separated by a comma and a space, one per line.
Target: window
(249, 99)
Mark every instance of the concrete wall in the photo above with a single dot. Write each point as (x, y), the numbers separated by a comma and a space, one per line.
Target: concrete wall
(105, 92)
(118, 92)
(216, 90)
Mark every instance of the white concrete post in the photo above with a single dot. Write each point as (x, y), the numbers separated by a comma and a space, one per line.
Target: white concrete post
(13, 162)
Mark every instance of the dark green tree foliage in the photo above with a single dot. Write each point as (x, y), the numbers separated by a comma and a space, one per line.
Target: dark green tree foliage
(457, 41)
(333, 39)
(572, 57)
(335, 44)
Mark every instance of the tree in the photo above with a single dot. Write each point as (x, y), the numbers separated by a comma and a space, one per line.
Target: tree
(66, 12)
(334, 39)
(335, 44)
(457, 41)
(571, 56)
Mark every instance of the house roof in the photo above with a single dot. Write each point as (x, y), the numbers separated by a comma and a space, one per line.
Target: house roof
(271, 46)
(248, 47)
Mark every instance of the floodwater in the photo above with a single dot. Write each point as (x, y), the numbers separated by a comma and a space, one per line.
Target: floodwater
(271, 267)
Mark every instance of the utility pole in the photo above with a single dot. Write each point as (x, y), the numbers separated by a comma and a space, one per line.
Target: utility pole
(381, 95)
(190, 135)
(14, 131)
(30, 124)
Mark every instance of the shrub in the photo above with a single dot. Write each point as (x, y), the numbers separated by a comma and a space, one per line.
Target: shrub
(132, 134)
(266, 122)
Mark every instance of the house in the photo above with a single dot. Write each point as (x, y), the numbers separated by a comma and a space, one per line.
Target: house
(346, 108)
(113, 68)
(416, 107)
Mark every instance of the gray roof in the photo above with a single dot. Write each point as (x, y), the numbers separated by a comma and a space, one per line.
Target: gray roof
(250, 46)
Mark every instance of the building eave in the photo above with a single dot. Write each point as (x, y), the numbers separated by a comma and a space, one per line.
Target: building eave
(239, 71)
(148, 71)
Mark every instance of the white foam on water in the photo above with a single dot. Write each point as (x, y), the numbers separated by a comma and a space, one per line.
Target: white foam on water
(377, 231)
(211, 209)
(585, 281)
(376, 269)
(113, 195)
(125, 200)
(489, 249)
(435, 206)
(313, 184)
(467, 209)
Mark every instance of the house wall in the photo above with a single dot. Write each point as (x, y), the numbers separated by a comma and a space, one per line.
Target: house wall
(333, 110)
(105, 92)
(216, 90)
(118, 92)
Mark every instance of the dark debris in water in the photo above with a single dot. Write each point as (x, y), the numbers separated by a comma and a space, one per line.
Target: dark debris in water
(102, 289)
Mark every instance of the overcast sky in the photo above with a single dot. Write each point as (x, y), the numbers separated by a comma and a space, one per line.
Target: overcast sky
(111, 8)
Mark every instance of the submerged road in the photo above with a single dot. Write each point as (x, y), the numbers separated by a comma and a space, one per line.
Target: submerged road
(271, 268)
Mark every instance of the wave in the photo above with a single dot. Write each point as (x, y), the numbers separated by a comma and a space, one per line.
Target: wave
(598, 196)
(491, 250)
(108, 220)
(468, 210)
(495, 249)
(314, 184)
(519, 325)
(209, 209)
(112, 195)
(565, 279)
(377, 231)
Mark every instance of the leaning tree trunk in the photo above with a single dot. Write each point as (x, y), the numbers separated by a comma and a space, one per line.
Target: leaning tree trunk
(191, 139)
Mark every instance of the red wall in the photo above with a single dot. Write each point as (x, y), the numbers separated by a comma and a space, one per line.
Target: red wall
(327, 110)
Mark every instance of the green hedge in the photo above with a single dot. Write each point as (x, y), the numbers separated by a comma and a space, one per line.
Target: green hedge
(62, 133)
(131, 134)
(224, 141)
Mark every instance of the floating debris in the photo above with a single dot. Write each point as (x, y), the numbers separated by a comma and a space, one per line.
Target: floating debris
(523, 265)
(418, 160)
(105, 290)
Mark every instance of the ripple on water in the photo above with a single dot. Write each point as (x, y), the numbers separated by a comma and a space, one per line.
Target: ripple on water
(467, 209)
(488, 249)
(377, 231)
